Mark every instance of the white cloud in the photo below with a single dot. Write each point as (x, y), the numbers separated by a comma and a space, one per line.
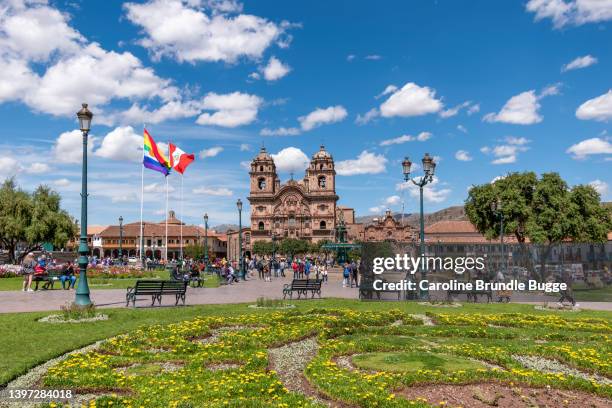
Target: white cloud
(63, 182)
(589, 147)
(290, 160)
(10, 165)
(175, 109)
(183, 30)
(158, 188)
(551, 90)
(473, 109)
(231, 110)
(447, 113)
(421, 137)
(377, 210)
(411, 100)
(365, 163)
(211, 152)
(572, 12)
(281, 131)
(50, 67)
(367, 117)
(388, 90)
(599, 108)
(322, 116)
(122, 143)
(462, 128)
(463, 155)
(244, 147)
(220, 191)
(38, 168)
(432, 192)
(579, 63)
(245, 165)
(275, 69)
(68, 147)
(393, 200)
(350, 57)
(373, 57)
(508, 152)
(601, 187)
(521, 109)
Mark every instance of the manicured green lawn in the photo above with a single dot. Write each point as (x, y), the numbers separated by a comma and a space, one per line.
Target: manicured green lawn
(412, 361)
(27, 343)
(211, 281)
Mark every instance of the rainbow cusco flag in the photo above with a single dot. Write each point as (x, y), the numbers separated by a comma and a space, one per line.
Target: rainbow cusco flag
(154, 159)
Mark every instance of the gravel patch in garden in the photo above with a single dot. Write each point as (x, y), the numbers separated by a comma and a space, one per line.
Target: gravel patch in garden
(222, 366)
(441, 304)
(426, 319)
(289, 362)
(32, 378)
(556, 367)
(59, 319)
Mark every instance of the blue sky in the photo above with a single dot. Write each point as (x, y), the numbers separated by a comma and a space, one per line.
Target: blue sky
(485, 87)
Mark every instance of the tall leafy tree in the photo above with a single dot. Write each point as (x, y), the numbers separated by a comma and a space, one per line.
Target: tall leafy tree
(544, 210)
(262, 248)
(32, 219)
(515, 191)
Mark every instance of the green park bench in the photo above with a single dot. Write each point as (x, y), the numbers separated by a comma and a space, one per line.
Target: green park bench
(49, 278)
(302, 286)
(156, 289)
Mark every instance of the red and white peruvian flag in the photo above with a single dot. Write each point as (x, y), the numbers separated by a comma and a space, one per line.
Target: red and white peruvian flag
(179, 160)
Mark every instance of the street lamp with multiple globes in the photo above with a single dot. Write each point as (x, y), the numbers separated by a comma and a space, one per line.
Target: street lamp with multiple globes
(241, 264)
(429, 167)
(496, 208)
(120, 240)
(205, 242)
(82, 293)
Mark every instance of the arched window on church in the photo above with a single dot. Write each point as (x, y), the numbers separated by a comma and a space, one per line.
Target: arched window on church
(322, 181)
(260, 226)
(322, 225)
(321, 166)
(261, 183)
(260, 168)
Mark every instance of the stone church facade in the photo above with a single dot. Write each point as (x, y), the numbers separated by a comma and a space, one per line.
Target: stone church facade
(304, 209)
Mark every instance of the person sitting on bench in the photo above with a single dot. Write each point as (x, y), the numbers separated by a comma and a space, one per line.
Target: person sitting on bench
(68, 276)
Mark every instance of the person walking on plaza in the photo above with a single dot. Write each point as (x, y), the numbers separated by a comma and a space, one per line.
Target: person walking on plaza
(346, 273)
(354, 274)
(283, 265)
(296, 269)
(324, 272)
(300, 269)
(27, 267)
(68, 276)
(307, 267)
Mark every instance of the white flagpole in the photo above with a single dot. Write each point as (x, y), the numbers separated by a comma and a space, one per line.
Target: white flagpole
(142, 255)
(181, 217)
(166, 251)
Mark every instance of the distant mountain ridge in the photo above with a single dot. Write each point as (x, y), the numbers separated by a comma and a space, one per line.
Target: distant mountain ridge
(454, 213)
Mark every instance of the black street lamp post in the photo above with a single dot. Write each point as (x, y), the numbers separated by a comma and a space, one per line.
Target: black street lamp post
(120, 240)
(241, 264)
(496, 207)
(82, 292)
(274, 238)
(205, 242)
(429, 167)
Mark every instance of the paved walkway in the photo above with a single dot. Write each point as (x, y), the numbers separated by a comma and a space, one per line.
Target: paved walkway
(249, 291)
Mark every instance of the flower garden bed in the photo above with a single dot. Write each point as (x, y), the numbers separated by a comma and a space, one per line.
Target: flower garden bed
(292, 359)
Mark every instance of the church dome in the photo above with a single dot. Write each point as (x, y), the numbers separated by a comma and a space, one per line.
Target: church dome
(322, 154)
